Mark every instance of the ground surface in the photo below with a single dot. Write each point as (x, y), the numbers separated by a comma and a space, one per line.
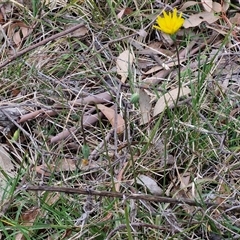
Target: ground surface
(89, 103)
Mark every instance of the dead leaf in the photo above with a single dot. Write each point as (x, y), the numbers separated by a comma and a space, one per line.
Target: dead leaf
(44, 169)
(80, 32)
(28, 218)
(144, 64)
(88, 120)
(15, 92)
(196, 19)
(104, 97)
(124, 64)
(207, 5)
(225, 5)
(159, 148)
(153, 70)
(65, 164)
(2, 15)
(235, 111)
(120, 177)
(236, 19)
(216, 7)
(187, 5)
(156, 78)
(62, 135)
(18, 31)
(8, 169)
(123, 12)
(167, 100)
(184, 181)
(184, 190)
(110, 114)
(145, 106)
(150, 184)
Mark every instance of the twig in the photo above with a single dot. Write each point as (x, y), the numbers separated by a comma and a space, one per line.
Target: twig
(43, 42)
(146, 197)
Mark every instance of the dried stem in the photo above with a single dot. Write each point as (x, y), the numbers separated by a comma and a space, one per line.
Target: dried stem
(145, 197)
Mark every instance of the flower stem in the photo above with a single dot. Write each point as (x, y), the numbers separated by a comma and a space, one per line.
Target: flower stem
(178, 72)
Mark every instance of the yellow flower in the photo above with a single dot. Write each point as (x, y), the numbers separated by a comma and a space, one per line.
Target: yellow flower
(170, 22)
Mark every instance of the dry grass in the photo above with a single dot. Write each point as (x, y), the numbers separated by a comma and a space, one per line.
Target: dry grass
(190, 151)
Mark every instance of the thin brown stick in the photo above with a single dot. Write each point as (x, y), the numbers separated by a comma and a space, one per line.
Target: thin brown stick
(43, 42)
(145, 197)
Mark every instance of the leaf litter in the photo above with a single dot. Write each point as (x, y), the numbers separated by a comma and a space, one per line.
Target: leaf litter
(66, 94)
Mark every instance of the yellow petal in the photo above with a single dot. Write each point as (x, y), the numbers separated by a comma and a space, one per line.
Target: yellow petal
(157, 27)
(170, 22)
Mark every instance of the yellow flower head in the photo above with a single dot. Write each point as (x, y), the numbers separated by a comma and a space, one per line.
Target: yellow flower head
(170, 22)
